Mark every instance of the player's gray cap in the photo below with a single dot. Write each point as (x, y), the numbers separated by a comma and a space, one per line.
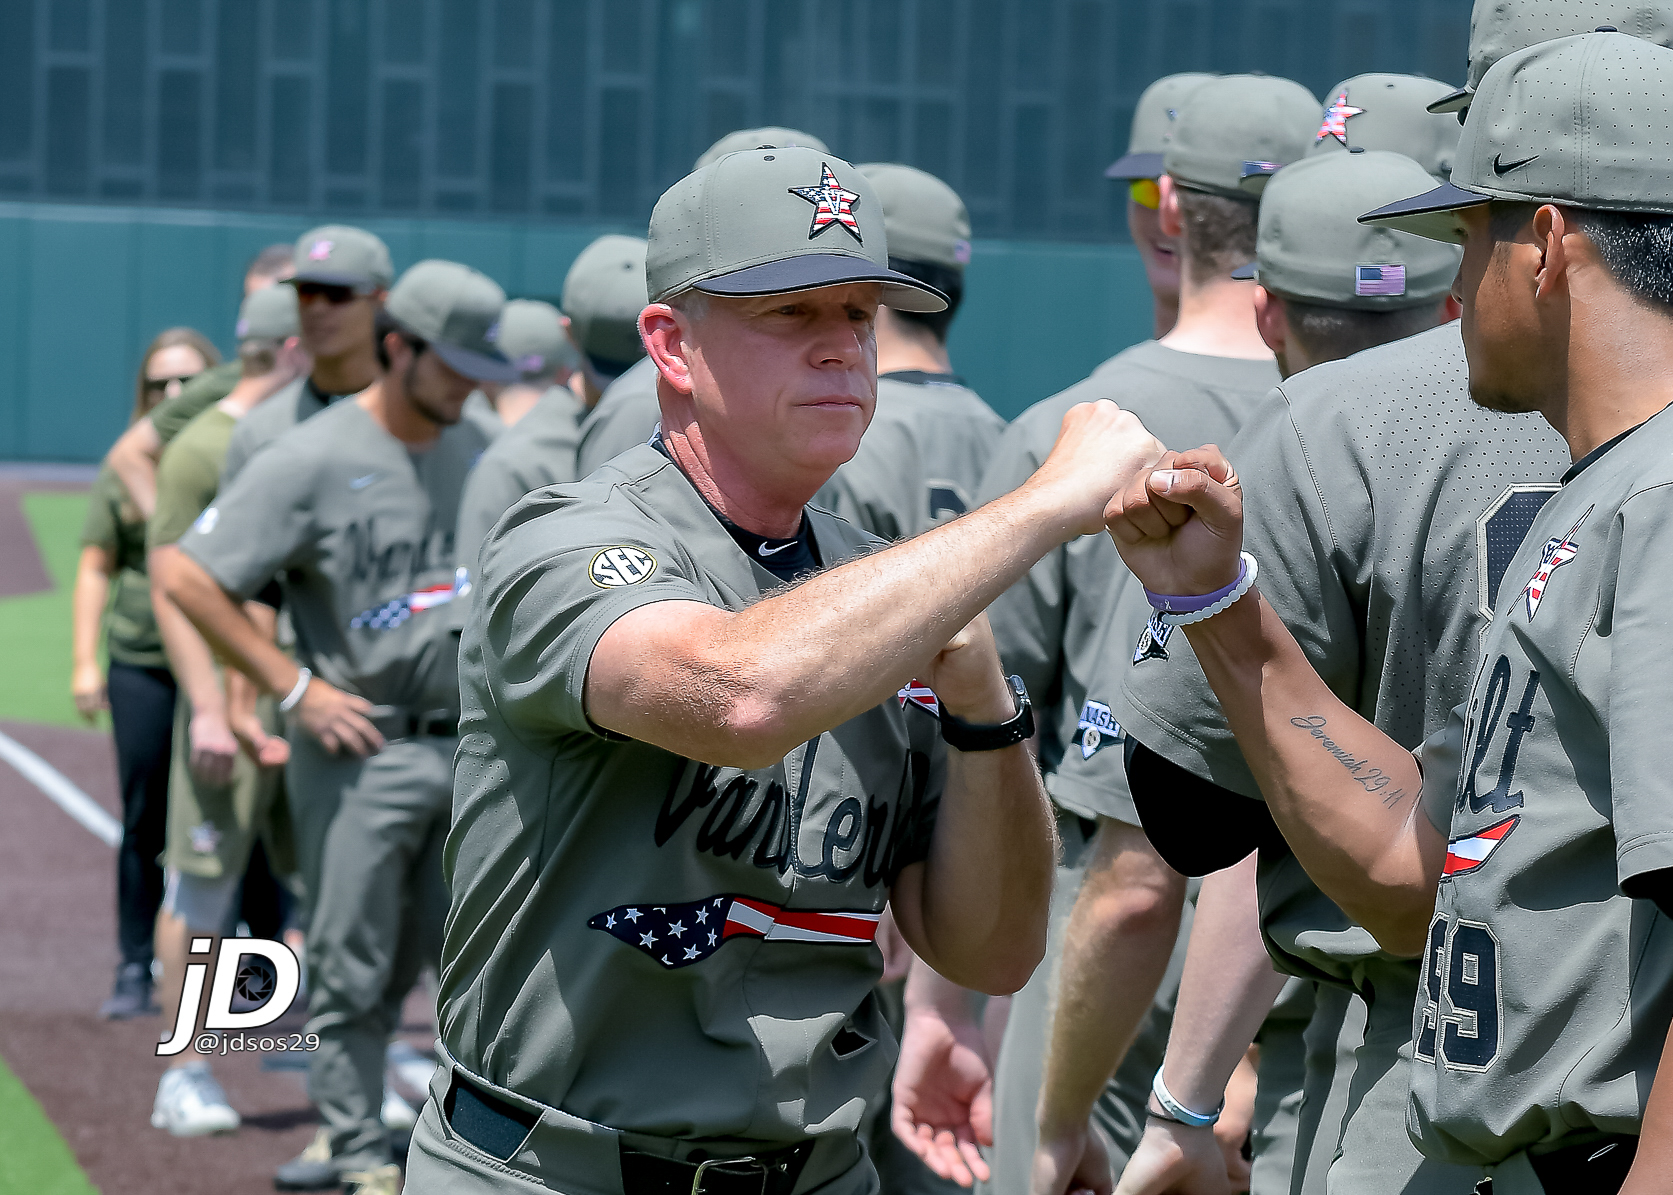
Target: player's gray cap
(457, 311)
(532, 338)
(603, 294)
(268, 314)
(340, 255)
(1153, 118)
(1239, 127)
(1498, 27)
(770, 137)
(924, 217)
(1390, 112)
(1584, 121)
(772, 222)
(1312, 247)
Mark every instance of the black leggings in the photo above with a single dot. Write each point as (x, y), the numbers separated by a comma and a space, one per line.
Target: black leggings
(142, 717)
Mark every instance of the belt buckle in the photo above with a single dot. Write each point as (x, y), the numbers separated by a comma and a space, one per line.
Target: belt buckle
(704, 1166)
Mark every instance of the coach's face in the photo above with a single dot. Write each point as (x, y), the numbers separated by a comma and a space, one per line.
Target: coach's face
(1513, 363)
(787, 383)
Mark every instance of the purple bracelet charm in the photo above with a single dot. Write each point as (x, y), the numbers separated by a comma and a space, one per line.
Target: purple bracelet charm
(1184, 610)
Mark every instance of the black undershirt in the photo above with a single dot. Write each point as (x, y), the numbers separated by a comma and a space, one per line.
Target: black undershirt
(785, 559)
(922, 377)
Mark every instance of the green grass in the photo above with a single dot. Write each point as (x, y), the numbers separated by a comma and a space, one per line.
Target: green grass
(35, 630)
(33, 1158)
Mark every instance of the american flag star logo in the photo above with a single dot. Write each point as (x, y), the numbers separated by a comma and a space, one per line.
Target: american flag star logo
(832, 204)
(679, 935)
(920, 695)
(1467, 854)
(397, 610)
(320, 250)
(1336, 118)
(1557, 553)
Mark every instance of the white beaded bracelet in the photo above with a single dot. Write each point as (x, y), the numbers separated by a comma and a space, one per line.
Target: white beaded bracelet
(1244, 585)
(1179, 1111)
(303, 676)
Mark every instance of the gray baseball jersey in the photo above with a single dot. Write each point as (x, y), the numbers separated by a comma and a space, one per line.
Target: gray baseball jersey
(1383, 506)
(360, 531)
(538, 450)
(626, 415)
(636, 939)
(1547, 989)
(271, 419)
(922, 459)
(1049, 623)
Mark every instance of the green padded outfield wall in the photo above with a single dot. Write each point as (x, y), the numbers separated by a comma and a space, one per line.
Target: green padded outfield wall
(83, 289)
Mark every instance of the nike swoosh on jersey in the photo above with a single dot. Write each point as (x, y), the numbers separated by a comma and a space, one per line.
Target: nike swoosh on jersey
(1464, 855)
(766, 551)
(360, 483)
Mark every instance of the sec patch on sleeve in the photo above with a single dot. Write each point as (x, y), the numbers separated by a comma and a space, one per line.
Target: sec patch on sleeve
(615, 567)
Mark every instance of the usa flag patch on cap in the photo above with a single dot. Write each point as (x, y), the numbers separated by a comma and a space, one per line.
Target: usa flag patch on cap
(1379, 280)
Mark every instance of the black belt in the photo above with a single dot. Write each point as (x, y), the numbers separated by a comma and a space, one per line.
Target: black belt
(403, 725)
(498, 1129)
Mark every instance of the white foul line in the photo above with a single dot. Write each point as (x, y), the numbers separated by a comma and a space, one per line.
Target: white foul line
(64, 794)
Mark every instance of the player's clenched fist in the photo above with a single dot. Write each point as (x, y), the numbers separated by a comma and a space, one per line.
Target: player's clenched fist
(1179, 526)
(1099, 450)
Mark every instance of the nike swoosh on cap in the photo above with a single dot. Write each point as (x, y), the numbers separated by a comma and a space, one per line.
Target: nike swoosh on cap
(766, 551)
(1503, 168)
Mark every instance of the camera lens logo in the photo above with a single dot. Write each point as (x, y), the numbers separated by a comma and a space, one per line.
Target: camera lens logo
(254, 981)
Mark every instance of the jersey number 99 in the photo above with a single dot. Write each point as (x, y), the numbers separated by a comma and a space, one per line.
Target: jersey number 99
(1462, 1008)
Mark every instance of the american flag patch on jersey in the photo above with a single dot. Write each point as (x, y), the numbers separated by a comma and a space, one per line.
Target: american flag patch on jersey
(682, 934)
(1464, 855)
(396, 611)
(1379, 280)
(1557, 552)
(920, 695)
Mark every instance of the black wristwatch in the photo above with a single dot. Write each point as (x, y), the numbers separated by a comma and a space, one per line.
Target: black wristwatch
(966, 737)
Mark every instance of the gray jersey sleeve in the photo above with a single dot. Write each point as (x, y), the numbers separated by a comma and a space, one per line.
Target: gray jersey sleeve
(262, 522)
(1297, 534)
(625, 416)
(558, 573)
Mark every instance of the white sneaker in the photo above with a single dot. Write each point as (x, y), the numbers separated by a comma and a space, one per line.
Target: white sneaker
(191, 1104)
(398, 1115)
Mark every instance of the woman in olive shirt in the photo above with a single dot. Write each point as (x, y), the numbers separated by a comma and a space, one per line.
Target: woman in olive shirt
(112, 594)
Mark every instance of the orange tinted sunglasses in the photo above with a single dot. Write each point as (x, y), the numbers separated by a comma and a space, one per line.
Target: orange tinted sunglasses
(1145, 193)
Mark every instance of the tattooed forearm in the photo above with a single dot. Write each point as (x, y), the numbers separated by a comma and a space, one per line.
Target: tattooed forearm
(1366, 774)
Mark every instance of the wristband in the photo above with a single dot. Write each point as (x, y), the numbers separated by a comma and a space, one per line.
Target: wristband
(1178, 611)
(303, 676)
(1179, 1111)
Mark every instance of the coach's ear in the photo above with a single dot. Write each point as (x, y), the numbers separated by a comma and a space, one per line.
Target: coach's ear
(1271, 320)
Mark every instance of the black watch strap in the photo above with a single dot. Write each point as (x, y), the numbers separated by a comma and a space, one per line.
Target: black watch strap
(967, 737)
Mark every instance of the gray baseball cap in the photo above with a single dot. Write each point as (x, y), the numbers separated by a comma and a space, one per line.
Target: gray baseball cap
(532, 338)
(1153, 118)
(1390, 112)
(924, 217)
(1581, 121)
(773, 222)
(603, 294)
(341, 255)
(457, 311)
(770, 137)
(1312, 247)
(1239, 127)
(268, 314)
(1498, 27)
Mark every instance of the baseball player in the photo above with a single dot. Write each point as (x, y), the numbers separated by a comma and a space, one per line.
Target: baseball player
(221, 799)
(534, 337)
(355, 509)
(1206, 373)
(1542, 1003)
(627, 414)
(1141, 169)
(1390, 430)
(134, 456)
(603, 293)
(923, 455)
(685, 789)
(341, 275)
(1389, 112)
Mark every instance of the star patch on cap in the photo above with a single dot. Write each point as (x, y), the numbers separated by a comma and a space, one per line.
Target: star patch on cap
(320, 250)
(832, 204)
(1336, 118)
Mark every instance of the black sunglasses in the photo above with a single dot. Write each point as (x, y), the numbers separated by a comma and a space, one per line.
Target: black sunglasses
(156, 384)
(330, 292)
